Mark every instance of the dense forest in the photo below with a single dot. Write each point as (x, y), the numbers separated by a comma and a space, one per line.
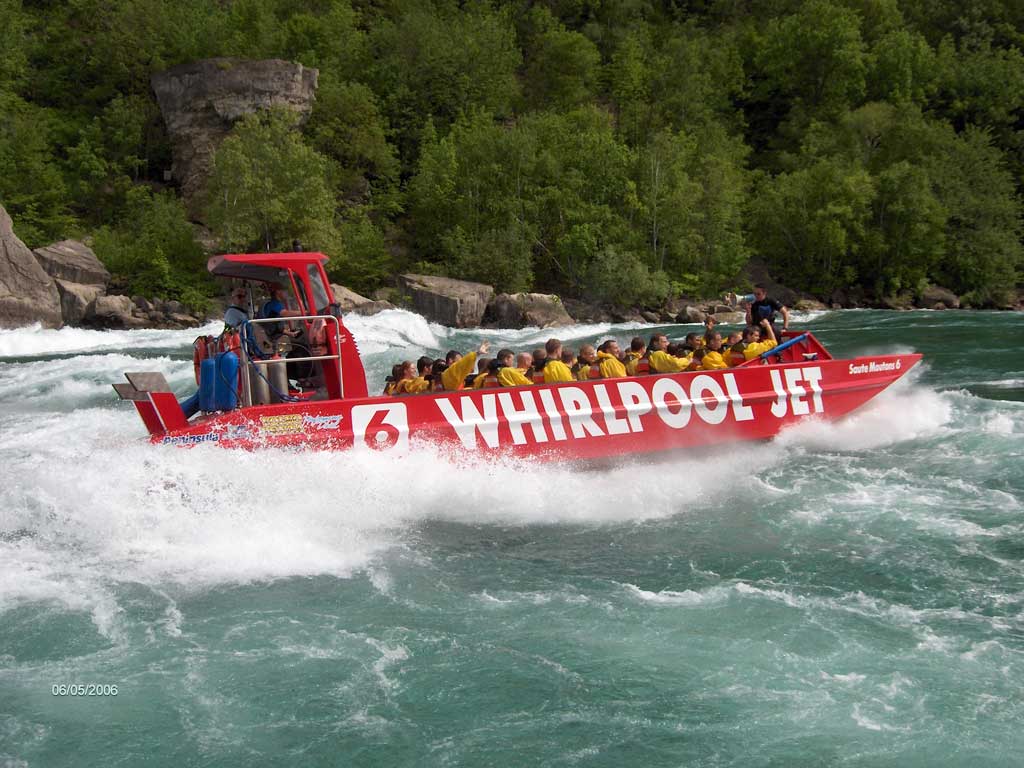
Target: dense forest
(614, 150)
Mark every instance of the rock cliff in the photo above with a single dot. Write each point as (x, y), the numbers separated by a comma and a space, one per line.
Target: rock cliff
(517, 310)
(202, 100)
(455, 303)
(80, 277)
(27, 293)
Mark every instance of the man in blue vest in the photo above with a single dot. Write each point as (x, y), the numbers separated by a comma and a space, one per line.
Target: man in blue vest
(276, 307)
(764, 308)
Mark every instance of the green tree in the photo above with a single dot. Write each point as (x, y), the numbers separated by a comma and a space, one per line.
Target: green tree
(629, 78)
(267, 188)
(152, 250)
(364, 263)
(441, 62)
(32, 188)
(811, 223)
(983, 256)
(13, 44)
(562, 66)
(816, 56)
(903, 68)
(347, 126)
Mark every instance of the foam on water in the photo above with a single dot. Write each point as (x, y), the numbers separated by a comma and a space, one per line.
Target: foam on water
(36, 341)
(905, 411)
(150, 514)
(854, 583)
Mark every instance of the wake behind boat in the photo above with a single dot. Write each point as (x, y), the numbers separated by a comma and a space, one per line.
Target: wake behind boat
(310, 390)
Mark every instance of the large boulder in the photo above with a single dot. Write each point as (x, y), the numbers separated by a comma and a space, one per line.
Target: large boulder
(372, 307)
(691, 313)
(201, 101)
(112, 312)
(585, 312)
(72, 261)
(346, 298)
(897, 301)
(455, 303)
(350, 301)
(935, 294)
(809, 305)
(27, 293)
(730, 318)
(75, 299)
(516, 310)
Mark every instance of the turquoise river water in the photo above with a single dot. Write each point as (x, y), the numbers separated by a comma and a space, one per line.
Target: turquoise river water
(849, 594)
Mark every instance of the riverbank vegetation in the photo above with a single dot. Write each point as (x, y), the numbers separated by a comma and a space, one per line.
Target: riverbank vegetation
(617, 151)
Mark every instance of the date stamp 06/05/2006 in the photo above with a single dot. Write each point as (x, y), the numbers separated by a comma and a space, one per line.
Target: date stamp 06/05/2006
(83, 689)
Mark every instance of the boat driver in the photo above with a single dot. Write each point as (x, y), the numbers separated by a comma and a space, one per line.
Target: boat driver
(276, 307)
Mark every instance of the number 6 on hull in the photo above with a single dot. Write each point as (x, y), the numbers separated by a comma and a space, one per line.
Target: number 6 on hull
(380, 427)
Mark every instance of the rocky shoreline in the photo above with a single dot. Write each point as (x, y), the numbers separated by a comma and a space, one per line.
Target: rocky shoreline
(65, 284)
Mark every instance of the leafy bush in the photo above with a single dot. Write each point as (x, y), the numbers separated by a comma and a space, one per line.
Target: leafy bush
(624, 280)
(153, 250)
(267, 188)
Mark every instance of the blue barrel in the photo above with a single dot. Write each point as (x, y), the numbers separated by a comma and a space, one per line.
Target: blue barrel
(225, 386)
(207, 380)
(190, 405)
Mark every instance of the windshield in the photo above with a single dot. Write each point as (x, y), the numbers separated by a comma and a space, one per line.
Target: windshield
(319, 293)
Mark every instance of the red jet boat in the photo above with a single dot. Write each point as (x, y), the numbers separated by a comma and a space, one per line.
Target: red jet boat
(311, 391)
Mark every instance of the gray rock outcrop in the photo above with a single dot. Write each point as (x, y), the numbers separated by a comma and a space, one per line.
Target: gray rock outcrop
(350, 301)
(455, 303)
(934, 295)
(346, 298)
(72, 261)
(202, 100)
(80, 277)
(27, 293)
(75, 299)
(372, 307)
(691, 314)
(112, 312)
(516, 310)
(730, 318)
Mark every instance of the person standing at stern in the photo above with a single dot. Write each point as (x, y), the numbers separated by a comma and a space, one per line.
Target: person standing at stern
(765, 308)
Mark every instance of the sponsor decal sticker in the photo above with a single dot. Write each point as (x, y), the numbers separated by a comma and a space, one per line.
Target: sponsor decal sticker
(320, 423)
(875, 367)
(283, 424)
(206, 437)
(237, 432)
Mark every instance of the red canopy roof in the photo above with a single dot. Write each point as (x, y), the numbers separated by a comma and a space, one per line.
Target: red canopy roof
(268, 267)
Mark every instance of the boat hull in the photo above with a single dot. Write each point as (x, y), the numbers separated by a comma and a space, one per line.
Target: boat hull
(585, 420)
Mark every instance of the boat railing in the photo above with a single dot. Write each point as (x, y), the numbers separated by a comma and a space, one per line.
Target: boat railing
(247, 359)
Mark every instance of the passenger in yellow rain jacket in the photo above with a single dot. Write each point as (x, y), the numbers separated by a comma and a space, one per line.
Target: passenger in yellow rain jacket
(714, 354)
(660, 360)
(392, 381)
(585, 361)
(510, 376)
(414, 385)
(731, 341)
(459, 367)
(637, 349)
(608, 360)
(404, 370)
(754, 345)
(555, 370)
(692, 343)
(481, 367)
